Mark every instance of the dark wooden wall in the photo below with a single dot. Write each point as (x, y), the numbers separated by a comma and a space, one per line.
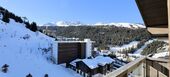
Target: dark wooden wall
(83, 67)
(68, 52)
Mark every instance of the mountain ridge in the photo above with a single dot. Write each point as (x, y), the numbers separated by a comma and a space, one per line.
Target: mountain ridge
(78, 23)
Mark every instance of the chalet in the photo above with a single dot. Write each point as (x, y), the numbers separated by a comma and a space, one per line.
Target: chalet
(92, 66)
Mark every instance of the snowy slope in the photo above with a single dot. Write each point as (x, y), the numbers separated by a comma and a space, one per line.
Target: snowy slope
(22, 50)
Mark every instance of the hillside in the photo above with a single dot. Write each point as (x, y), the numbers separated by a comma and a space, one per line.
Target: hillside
(102, 35)
(27, 52)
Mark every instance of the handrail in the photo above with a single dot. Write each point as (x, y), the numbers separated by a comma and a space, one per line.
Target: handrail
(127, 67)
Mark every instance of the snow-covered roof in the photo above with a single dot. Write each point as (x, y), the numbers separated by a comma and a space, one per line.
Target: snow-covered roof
(85, 40)
(74, 62)
(99, 60)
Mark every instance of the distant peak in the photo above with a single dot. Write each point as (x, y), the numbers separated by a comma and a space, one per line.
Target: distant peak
(68, 23)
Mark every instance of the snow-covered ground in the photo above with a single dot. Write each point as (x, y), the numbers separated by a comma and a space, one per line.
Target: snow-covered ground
(22, 50)
(161, 54)
(126, 46)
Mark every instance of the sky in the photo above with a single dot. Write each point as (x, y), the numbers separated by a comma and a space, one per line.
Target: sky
(85, 11)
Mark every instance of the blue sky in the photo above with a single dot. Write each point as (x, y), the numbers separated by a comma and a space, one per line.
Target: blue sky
(86, 11)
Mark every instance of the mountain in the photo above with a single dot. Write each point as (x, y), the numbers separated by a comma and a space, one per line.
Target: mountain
(103, 36)
(50, 24)
(128, 25)
(67, 23)
(78, 23)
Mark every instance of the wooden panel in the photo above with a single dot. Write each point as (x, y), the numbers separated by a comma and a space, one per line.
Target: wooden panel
(68, 52)
(158, 30)
(82, 50)
(169, 31)
(153, 69)
(154, 12)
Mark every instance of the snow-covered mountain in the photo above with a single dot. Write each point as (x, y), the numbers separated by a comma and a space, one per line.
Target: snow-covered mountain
(127, 25)
(67, 23)
(24, 52)
(78, 23)
(50, 24)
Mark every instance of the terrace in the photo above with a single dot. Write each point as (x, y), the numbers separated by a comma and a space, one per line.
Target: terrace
(156, 16)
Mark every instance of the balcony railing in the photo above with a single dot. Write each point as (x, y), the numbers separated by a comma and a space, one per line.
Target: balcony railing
(143, 67)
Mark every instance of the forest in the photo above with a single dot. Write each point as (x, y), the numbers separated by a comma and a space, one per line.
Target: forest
(103, 36)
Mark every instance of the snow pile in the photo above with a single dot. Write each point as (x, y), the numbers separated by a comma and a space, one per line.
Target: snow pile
(99, 60)
(27, 52)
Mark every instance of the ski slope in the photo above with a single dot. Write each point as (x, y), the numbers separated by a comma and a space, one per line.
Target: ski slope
(23, 51)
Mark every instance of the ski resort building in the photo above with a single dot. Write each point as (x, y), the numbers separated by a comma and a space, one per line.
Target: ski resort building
(70, 50)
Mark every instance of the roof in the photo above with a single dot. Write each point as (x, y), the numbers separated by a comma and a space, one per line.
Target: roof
(85, 41)
(154, 12)
(99, 60)
(94, 62)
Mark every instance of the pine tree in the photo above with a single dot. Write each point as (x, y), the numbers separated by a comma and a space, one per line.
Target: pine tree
(29, 75)
(27, 25)
(5, 68)
(46, 75)
(6, 17)
(33, 26)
